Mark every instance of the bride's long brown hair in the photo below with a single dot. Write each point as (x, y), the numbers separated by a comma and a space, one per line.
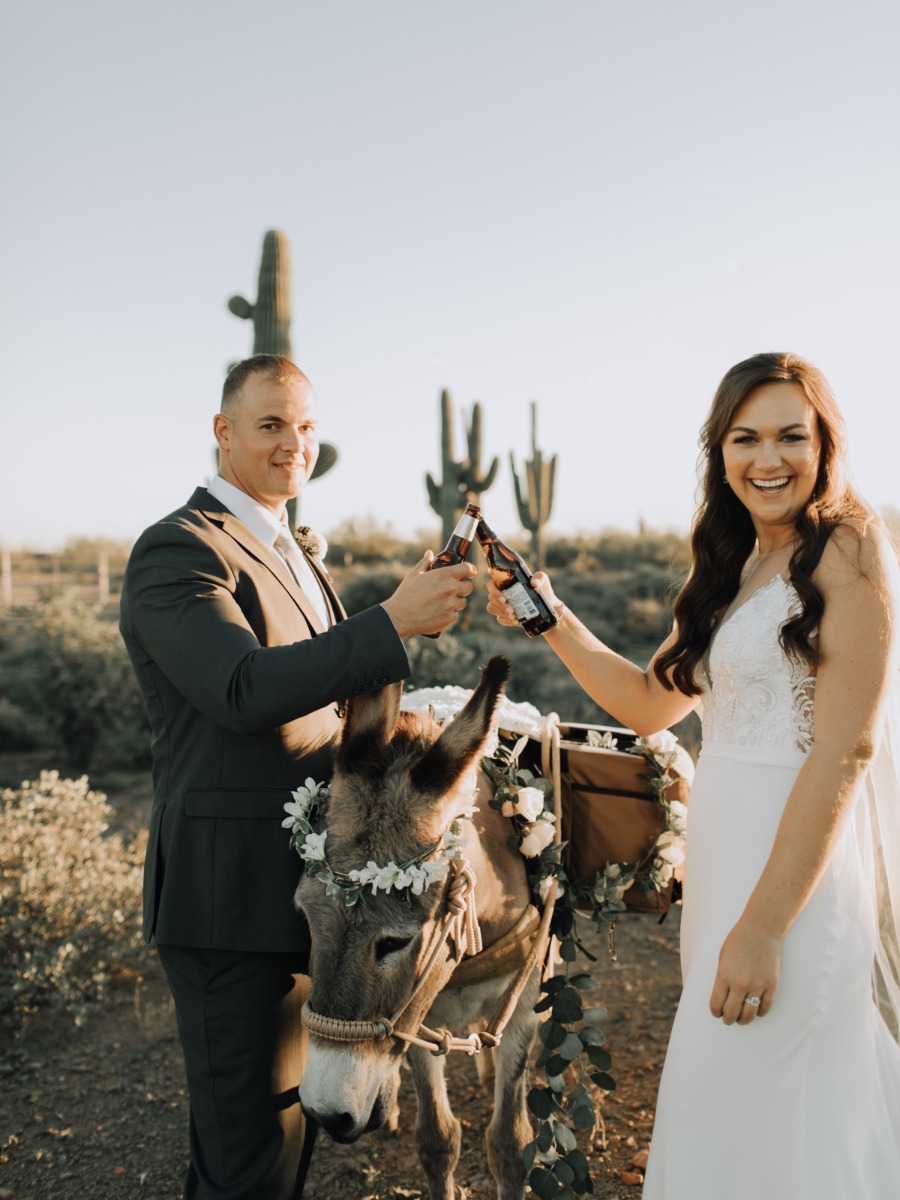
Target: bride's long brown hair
(722, 534)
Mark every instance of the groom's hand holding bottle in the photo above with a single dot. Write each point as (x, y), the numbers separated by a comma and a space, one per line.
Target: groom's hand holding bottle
(428, 601)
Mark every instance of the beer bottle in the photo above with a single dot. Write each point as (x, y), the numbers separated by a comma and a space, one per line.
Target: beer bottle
(457, 548)
(511, 575)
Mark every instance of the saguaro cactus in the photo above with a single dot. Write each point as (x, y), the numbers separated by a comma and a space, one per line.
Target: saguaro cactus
(534, 507)
(461, 481)
(271, 314)
(271, 317)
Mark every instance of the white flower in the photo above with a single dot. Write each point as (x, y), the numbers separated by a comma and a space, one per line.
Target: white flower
(312, 849)
(427, 874)
(384, 877)
(683, 764)
(663, 742)
(296, 812)
(544, 887)
(311, 541)
(537, 838)
(670, 848)
(527, 802)
(676, 819)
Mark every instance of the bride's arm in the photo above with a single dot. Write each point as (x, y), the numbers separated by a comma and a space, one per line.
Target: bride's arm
(633, 696)
(858, 645)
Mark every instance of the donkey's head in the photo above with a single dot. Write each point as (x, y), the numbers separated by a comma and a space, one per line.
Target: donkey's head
(399, 782)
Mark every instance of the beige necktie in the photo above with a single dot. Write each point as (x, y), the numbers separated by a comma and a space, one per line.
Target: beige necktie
(302, 573)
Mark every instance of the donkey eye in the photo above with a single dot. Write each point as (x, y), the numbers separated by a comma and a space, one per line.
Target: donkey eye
(390, 945)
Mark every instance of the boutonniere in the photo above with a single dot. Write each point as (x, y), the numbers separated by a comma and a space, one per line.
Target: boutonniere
(313, 544)
(310, 542)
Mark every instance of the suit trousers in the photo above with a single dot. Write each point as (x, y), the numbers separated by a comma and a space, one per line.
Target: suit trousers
(244, 1053)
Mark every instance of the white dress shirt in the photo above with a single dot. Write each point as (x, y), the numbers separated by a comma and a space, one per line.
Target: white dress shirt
(268, 529)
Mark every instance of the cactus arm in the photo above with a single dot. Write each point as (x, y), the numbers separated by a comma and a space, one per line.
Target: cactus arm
(461, 479)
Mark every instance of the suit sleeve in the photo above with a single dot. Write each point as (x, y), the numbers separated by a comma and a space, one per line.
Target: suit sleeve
(180, 610)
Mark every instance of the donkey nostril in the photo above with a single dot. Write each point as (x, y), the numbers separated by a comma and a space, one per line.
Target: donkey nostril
(341, 1127)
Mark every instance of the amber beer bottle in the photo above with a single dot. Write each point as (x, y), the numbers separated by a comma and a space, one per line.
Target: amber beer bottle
(511, 575)
(457, 548)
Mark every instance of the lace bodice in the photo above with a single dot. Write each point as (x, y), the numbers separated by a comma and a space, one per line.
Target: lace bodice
(754, 694)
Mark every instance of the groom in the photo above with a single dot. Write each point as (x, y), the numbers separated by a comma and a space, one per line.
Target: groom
(243, 655)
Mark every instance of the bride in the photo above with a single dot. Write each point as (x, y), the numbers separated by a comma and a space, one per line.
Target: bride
(782, 1077)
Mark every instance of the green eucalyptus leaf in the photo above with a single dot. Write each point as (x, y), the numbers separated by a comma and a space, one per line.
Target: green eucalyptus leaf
(594, 1016)
(579, 1164)
(599, 1057)
(570, 1047)
(583, 1116)
(543, 1183)
(567, 1007)
(604, 1081)
(544, 1138)
(555, 1065)
(552, 1034)
(593, 1037)
(584, 982)
(568, 950)
(540, 1102)
(564, 1172)
(565, 1137)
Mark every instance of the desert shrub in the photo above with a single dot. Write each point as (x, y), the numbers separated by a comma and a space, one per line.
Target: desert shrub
(369, 587)
(450, 659)
(19, 728)
(70, 896)
(67, 667)
(363, 540)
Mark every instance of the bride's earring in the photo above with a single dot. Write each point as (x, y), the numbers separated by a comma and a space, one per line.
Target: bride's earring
(725, 478)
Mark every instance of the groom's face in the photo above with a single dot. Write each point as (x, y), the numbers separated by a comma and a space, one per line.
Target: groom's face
(268, 442)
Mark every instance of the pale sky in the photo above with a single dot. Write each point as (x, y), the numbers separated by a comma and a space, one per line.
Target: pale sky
(598, 206)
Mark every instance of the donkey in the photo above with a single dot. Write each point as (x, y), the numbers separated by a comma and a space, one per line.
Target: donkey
(399, 782)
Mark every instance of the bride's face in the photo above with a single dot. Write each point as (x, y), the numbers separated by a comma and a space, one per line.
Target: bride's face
(771, 454)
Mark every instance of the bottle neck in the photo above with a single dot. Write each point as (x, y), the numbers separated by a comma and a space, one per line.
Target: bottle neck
(465, 527)
(484, 533)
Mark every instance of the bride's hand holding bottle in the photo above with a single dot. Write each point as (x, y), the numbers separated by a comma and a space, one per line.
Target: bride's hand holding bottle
(499, 607)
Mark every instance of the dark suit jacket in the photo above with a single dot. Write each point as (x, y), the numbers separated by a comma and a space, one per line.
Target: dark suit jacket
(240, 682)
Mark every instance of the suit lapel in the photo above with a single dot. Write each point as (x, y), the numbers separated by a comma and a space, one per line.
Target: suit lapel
(216, 512)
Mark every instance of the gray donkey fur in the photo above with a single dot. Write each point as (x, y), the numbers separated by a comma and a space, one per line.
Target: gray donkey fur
(399, 781)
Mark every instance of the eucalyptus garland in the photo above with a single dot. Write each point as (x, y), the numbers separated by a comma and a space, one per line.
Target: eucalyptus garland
(573, 1054)
(573, 1057)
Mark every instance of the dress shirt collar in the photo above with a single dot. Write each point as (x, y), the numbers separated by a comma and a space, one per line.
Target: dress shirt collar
(261, 521)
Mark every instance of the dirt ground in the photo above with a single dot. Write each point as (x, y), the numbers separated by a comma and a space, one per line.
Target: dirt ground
(99, 1112)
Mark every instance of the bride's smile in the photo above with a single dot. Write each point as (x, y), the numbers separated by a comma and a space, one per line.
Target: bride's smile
(771, 455)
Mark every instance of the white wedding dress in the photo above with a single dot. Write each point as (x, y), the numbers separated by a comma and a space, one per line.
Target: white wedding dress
(803, 1104)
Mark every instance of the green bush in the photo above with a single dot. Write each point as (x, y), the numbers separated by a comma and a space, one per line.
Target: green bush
(67, 681)
(70, 896)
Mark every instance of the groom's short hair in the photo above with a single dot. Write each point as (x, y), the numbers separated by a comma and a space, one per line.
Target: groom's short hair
(276, 366)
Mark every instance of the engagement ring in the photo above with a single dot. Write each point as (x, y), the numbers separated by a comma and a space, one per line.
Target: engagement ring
(753, 1001)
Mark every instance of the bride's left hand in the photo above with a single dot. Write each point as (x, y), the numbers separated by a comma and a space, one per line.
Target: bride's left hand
(749, 965)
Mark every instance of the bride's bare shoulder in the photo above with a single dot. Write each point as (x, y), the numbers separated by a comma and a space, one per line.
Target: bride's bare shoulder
(860, 551)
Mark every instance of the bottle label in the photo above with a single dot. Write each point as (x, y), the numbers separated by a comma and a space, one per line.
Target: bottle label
(465, 527)
(521, 603)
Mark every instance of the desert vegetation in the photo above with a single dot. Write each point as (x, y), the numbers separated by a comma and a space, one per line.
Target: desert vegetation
(69, 710)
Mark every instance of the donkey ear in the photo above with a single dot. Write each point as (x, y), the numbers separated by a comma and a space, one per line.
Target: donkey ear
(370, 722)
(452, 754)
